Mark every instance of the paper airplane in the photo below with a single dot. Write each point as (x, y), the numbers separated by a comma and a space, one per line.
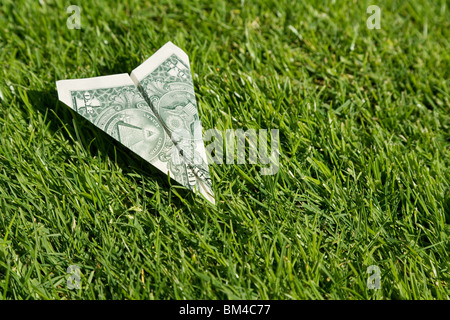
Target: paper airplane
(153, 113)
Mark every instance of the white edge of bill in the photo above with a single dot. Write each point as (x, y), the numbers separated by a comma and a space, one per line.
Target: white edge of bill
(65, 87)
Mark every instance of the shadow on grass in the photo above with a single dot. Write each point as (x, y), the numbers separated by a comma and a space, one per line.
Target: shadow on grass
(63, 119)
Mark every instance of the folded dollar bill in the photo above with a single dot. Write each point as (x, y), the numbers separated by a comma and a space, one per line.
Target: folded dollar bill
(153, 113)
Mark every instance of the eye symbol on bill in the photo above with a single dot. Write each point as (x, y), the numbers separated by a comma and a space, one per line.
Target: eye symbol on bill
(148, 133)
(138, 133)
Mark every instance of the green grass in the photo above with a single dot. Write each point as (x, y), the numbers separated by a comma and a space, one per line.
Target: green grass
(364, 120)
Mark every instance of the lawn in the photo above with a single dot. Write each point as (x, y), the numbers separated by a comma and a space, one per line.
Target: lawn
(364, 122)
